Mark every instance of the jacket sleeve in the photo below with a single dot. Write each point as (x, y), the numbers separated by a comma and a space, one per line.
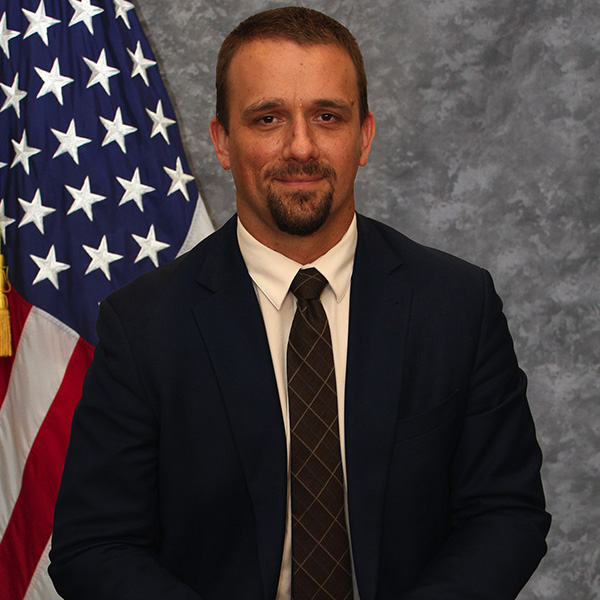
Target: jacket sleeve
(498, 521)
(106, 529)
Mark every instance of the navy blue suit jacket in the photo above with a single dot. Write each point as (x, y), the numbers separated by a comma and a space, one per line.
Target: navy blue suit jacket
(175, 480)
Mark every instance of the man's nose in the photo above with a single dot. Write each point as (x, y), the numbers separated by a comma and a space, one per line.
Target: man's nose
(300, 144)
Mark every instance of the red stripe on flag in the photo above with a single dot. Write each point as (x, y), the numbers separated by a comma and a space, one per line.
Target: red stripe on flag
(19, 310)
(30, 525)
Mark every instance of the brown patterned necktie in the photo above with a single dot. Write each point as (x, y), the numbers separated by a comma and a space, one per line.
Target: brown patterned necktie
(321, 566)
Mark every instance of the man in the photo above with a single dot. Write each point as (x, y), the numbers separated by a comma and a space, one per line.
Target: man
(182, 478)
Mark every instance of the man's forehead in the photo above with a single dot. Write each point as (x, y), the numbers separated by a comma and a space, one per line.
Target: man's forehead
(264, 61)
(272, 47)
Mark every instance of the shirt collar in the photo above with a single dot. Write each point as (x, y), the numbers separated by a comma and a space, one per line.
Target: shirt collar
(273, 272)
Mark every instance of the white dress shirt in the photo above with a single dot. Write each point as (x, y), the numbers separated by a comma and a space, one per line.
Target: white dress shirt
(272, 274)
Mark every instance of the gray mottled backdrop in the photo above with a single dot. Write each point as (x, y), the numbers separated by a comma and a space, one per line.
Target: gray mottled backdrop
(487, 146)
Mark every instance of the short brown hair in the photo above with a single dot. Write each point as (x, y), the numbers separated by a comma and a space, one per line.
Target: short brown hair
(301, 25)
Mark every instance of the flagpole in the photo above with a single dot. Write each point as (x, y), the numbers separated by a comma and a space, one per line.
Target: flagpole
(5, 337)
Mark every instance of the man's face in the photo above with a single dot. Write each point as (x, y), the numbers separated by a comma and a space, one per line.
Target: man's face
(295, 139)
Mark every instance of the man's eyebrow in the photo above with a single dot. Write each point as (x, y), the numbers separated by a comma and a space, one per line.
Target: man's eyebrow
(261, 106)
(334, 103)
(267, 104)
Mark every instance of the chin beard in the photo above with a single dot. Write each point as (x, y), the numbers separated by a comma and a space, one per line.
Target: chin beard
(300, 213)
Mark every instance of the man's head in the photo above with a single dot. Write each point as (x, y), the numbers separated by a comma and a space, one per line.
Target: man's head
(303, 26)
(294, 132)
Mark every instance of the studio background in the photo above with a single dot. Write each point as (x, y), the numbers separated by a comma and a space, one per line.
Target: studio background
(487, 147)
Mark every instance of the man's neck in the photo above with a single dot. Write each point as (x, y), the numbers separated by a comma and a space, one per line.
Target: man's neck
(301, 249)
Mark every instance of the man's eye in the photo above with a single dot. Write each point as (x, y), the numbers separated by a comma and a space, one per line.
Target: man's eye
(327, 117)
(267, 119)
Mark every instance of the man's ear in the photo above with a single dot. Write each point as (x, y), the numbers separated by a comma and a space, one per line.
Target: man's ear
(220, 141)
(367, 133)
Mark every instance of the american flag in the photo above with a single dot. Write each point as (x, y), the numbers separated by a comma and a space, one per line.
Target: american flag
(95, 189)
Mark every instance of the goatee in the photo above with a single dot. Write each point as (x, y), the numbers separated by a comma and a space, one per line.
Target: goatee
(301, 213)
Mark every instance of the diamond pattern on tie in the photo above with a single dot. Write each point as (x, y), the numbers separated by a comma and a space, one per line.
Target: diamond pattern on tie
(321, 566)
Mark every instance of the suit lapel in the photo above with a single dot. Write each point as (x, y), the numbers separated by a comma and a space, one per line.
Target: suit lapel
(379, 313)
(231, 325)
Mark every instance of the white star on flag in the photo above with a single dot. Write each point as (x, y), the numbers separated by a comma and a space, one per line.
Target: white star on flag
(179, 179)
(83, 199)
(84, 12)
(6, 35)
(101, 258)
(122, 7)
(4, 221)
(134, 189)
(49, 267)
(159, 122)
(13, 95)
(140, 63)
(35, 211)
(53, 81)
(23, 152)
(39, 22)
(101, 71)
(69, 142)
(116, 130)
(149, 246)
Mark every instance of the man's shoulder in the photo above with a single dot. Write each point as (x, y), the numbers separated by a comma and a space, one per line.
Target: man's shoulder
(177, 277)
(415, 257)
(439, 283)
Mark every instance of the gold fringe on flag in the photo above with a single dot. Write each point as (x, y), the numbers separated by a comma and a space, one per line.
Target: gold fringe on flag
(5, 339)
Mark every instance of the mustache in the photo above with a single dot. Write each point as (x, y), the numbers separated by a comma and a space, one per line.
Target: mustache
(310, 169)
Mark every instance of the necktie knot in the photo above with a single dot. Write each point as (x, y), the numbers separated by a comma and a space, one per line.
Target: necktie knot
(308, 284)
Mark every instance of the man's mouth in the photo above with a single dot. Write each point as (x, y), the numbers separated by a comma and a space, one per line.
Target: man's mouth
(298, 181)
(301, 175)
